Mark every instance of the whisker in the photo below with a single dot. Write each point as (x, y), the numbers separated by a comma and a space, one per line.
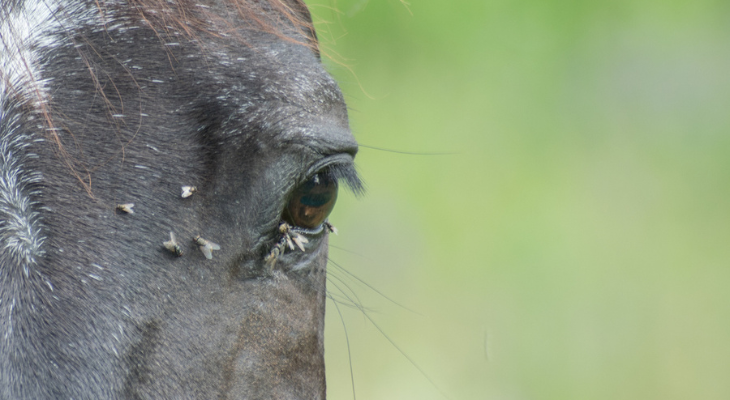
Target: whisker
(392, 342)
(341, 268)
(348, 302)
(349, 355)
(338, 299)
(410, 153)
(354, 294)
(332, 246)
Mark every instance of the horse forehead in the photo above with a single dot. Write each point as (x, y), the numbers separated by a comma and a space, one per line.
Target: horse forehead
(275, 67)
(282, 72)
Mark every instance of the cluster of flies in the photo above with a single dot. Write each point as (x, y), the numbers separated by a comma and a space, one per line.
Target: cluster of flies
(205, 246)
(289, 237)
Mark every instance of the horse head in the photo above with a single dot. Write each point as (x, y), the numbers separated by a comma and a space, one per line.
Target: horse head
(166, 172)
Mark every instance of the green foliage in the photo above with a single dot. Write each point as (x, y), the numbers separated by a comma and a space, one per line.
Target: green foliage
(581, 228)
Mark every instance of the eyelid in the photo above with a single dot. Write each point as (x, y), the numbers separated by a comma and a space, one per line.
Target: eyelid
(341, 158)
(341, 168)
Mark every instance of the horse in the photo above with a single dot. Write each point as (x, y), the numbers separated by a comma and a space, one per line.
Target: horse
(166, 173)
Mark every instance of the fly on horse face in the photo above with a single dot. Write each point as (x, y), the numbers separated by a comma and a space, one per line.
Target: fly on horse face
(166, 172)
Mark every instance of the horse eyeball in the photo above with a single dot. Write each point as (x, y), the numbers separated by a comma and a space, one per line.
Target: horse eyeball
(312, 202)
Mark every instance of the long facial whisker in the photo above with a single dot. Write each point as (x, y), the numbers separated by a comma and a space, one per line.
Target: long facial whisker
(366, 314)
(347, 286)
(349, 354)
(341, 268)
(346, 300)
(348, 251)
(410, 153)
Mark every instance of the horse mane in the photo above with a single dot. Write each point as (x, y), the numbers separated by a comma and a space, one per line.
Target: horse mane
(277, 17)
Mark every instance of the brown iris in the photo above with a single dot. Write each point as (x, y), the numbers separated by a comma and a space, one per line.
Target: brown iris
(312, 202)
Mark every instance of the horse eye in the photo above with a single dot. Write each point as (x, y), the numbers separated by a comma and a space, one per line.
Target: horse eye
(312, 202)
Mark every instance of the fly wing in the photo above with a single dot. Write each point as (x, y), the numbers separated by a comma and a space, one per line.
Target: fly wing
(206, 252)
(170, 244)
(299, 240)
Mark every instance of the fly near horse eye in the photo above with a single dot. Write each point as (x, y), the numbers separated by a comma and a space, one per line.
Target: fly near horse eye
(312, 202)
(127, 208)
(206, 246)
(188, 191)
(172, 246)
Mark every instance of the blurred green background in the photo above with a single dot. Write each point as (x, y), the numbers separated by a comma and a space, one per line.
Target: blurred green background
(576, 243)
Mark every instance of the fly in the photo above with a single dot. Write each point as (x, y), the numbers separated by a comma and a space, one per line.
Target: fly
(172, 246)
(188, 191)
(127, 208)
(206, 246)
(289, 238)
